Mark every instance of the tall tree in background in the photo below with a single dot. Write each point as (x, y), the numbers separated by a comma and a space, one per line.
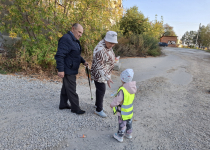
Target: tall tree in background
(198, 36)
(189, 38)
(169, 31)
(134, 21)
(205, 36)
(156, 28)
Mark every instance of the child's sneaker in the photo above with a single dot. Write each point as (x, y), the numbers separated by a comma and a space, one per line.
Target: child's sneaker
(117, 137)
(129, 136)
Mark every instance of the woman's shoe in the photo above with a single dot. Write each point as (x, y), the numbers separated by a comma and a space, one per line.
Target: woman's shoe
(117, 137)
(101, 113)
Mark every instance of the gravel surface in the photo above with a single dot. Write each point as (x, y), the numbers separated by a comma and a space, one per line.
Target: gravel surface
(171, 109)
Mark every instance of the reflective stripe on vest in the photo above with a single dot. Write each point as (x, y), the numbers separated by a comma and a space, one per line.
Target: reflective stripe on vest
(127, 106)
(126, 113)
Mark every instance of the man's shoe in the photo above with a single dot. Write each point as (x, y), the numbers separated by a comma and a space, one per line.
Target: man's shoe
(78, 112)
(101, 113)
(67, 107)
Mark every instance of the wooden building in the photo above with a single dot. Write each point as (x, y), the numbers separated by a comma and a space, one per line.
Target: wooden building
(170, 40)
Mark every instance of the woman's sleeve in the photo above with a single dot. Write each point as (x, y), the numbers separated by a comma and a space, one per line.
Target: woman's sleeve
(99, 58)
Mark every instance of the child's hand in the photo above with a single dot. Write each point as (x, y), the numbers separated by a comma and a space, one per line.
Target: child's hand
(111, 106)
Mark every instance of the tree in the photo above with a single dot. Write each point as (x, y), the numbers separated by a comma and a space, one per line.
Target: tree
(205, 36)
(168, 30)
(40, 23)
(134, 21)
(156, 28)
(198, 36)
(189, 37)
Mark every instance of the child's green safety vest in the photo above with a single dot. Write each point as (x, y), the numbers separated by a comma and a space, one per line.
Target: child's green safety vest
(127, 106)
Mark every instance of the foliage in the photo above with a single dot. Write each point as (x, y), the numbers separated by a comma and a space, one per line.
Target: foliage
(2, 71)
(137, 45)
(40, 23)
(189, 38)
(140, 36)
(205, 36)
(134, 21)
(202, 37)
(156, 28)
(169, 31)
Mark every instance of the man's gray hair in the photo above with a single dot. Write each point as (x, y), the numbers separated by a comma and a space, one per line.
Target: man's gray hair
(75, 25)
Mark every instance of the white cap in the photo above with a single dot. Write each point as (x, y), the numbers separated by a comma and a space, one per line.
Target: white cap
(127, 75)
(111, 37)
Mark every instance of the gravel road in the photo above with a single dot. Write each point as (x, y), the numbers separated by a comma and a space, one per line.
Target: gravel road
(171, 109)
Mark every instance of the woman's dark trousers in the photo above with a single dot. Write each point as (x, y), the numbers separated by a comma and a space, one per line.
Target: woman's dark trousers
(100, 92)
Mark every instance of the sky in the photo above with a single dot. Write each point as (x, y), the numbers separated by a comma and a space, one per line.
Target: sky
(183, 15)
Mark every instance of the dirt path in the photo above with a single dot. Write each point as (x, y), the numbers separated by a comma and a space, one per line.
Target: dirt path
(171, 109)
(172, 106)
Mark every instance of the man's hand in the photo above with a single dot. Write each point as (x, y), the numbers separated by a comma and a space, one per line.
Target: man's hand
(111, 106)
(61, 74)
(108, 82)
(85, 63)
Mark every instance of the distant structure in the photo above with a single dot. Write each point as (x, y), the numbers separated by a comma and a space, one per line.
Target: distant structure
(170, 40)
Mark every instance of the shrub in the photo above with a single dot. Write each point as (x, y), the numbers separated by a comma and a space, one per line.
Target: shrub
(137, 45)
(41, 23)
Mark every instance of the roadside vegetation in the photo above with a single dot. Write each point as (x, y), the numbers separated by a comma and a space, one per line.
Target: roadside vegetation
(197, 39)
(41, 23)
(140, 36)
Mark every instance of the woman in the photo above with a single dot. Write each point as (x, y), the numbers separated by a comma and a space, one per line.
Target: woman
(103, 63)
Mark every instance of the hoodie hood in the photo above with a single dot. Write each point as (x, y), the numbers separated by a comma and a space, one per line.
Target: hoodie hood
(130, 87)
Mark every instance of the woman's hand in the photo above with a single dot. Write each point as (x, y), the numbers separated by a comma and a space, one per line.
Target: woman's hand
(108, 82)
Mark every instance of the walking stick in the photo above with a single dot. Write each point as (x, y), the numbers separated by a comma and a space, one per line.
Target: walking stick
(88, 74)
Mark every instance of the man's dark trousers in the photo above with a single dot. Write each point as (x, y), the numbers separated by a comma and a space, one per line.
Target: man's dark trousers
(68, 92)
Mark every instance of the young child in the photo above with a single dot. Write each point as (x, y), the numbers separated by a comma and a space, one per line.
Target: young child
(123, 105)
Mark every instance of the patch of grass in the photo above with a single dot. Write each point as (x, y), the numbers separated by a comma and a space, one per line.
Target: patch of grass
(154, 52)
(2, 71)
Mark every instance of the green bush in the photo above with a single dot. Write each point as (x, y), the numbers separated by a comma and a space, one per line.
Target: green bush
(154, 52)
(137, 45)
(41, 23)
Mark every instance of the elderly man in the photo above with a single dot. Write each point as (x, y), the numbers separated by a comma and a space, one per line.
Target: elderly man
(68, 59)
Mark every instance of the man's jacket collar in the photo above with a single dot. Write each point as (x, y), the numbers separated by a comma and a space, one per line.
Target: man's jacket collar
(72, 35)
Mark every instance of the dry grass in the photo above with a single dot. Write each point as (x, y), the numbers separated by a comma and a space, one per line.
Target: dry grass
(46, 76)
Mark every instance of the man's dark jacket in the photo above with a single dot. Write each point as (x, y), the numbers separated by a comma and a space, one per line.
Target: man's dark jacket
(68, 56)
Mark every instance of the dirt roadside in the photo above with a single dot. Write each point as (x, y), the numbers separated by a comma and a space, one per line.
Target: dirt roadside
(171, 107)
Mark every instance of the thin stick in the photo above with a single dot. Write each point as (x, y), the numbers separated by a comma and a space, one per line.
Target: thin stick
(89, 82)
